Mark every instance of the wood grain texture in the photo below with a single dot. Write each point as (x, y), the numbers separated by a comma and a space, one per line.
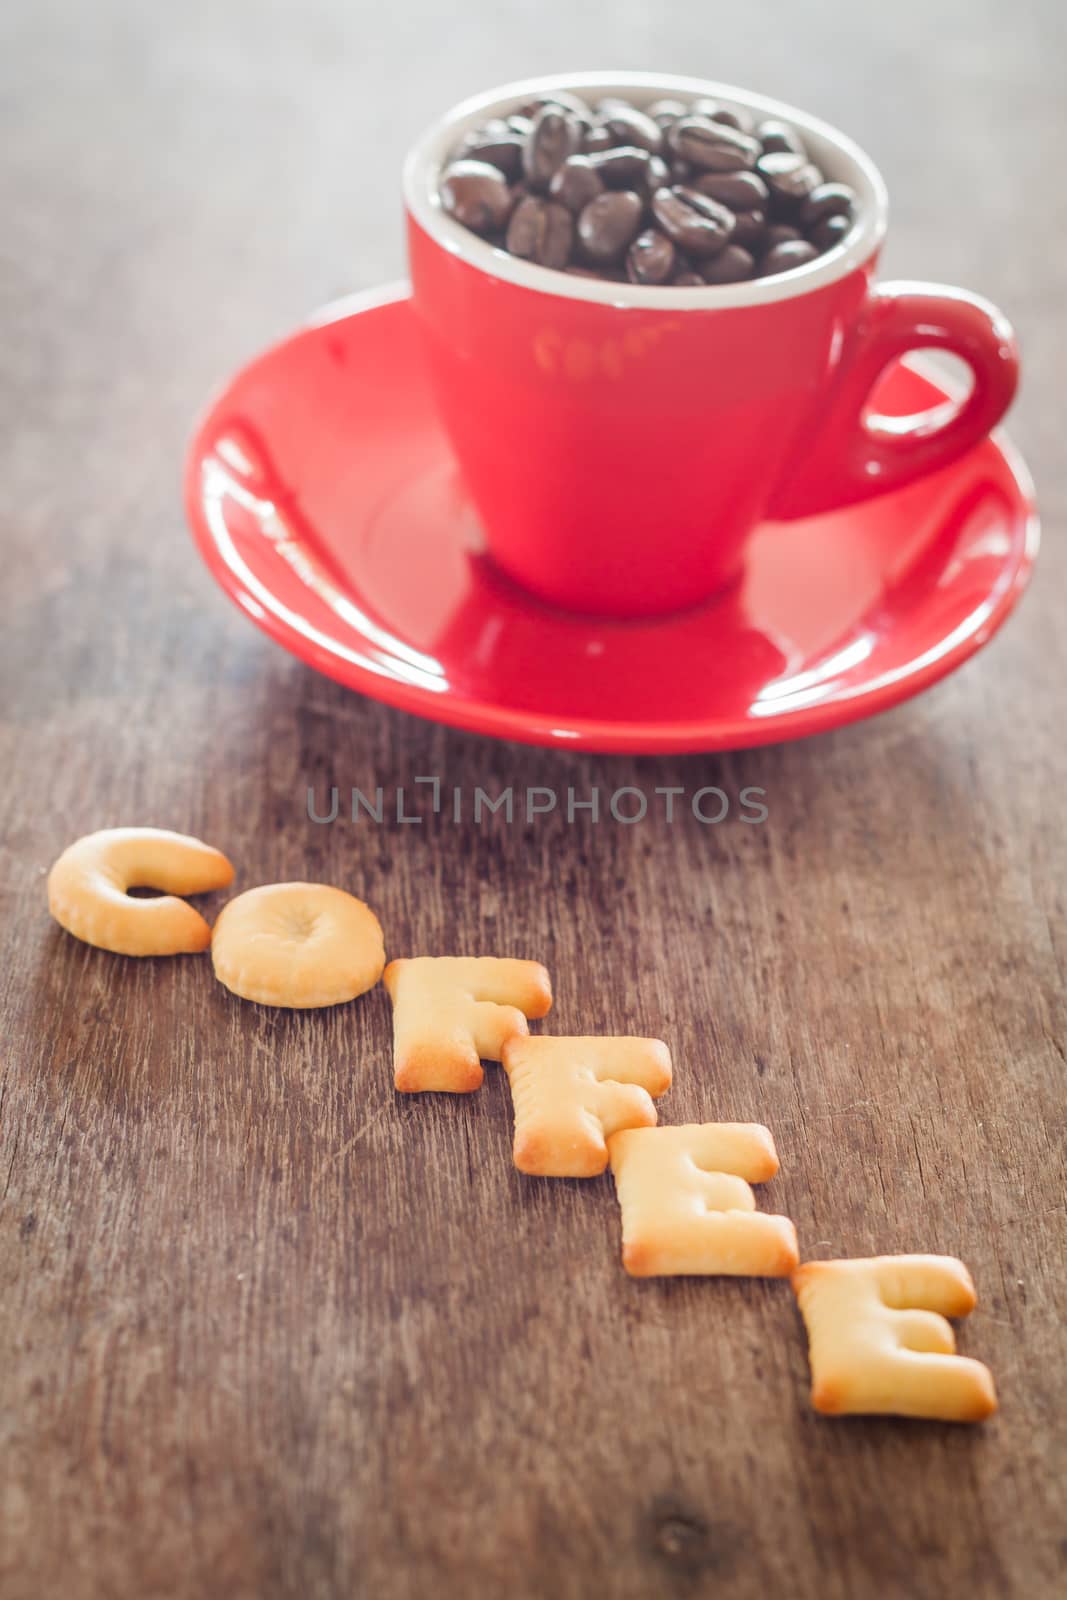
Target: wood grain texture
(267, 1330)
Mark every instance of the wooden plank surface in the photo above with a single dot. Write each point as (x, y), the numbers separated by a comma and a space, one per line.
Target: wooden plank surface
(266, 1330)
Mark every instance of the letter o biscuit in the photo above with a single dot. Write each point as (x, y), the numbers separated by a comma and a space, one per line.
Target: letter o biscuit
(297, 944)
(87, 890)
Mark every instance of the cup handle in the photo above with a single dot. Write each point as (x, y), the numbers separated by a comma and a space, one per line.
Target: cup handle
(854, 456)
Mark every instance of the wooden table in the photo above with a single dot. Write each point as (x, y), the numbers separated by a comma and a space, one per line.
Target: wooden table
(267, 1330)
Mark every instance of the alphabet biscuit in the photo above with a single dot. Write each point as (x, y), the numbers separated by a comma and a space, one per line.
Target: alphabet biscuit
(879, 1342)
(687, 1206)
(87, 890)
(300, 945)
(452, 1012)
(571, 1094)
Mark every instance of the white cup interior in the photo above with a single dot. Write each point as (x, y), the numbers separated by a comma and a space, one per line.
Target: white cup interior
(841, 160)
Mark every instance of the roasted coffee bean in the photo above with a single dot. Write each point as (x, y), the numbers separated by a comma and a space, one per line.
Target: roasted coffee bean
(560, 98)
(555, 135)
(699, 226)
(629, 168)
(741, 191)
(776, 136)
(657, 175)
(595, 140)
(826, 234)
(496, 143)
(575, 183)
(779, 233)
(609, 224)
(784, 257)
(750, 229)
(627, 125)
(828, 200)
(667, 111)
(720, 113)
(651, 258)
(741, 120)
(476, 194)
(731, 265)
(541, 231)
(687, 280)
(625, 167)
(712, 146)
(520, 125)
(790, 179)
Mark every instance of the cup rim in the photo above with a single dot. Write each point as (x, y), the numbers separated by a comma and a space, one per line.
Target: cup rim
(849, 164)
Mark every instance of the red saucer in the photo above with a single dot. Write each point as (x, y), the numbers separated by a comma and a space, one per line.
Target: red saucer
(324, 499)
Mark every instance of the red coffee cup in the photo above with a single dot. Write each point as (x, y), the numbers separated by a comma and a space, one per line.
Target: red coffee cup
(621, 441)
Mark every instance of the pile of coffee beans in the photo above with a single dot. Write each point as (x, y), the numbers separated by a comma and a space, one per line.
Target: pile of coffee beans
(682, 193)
